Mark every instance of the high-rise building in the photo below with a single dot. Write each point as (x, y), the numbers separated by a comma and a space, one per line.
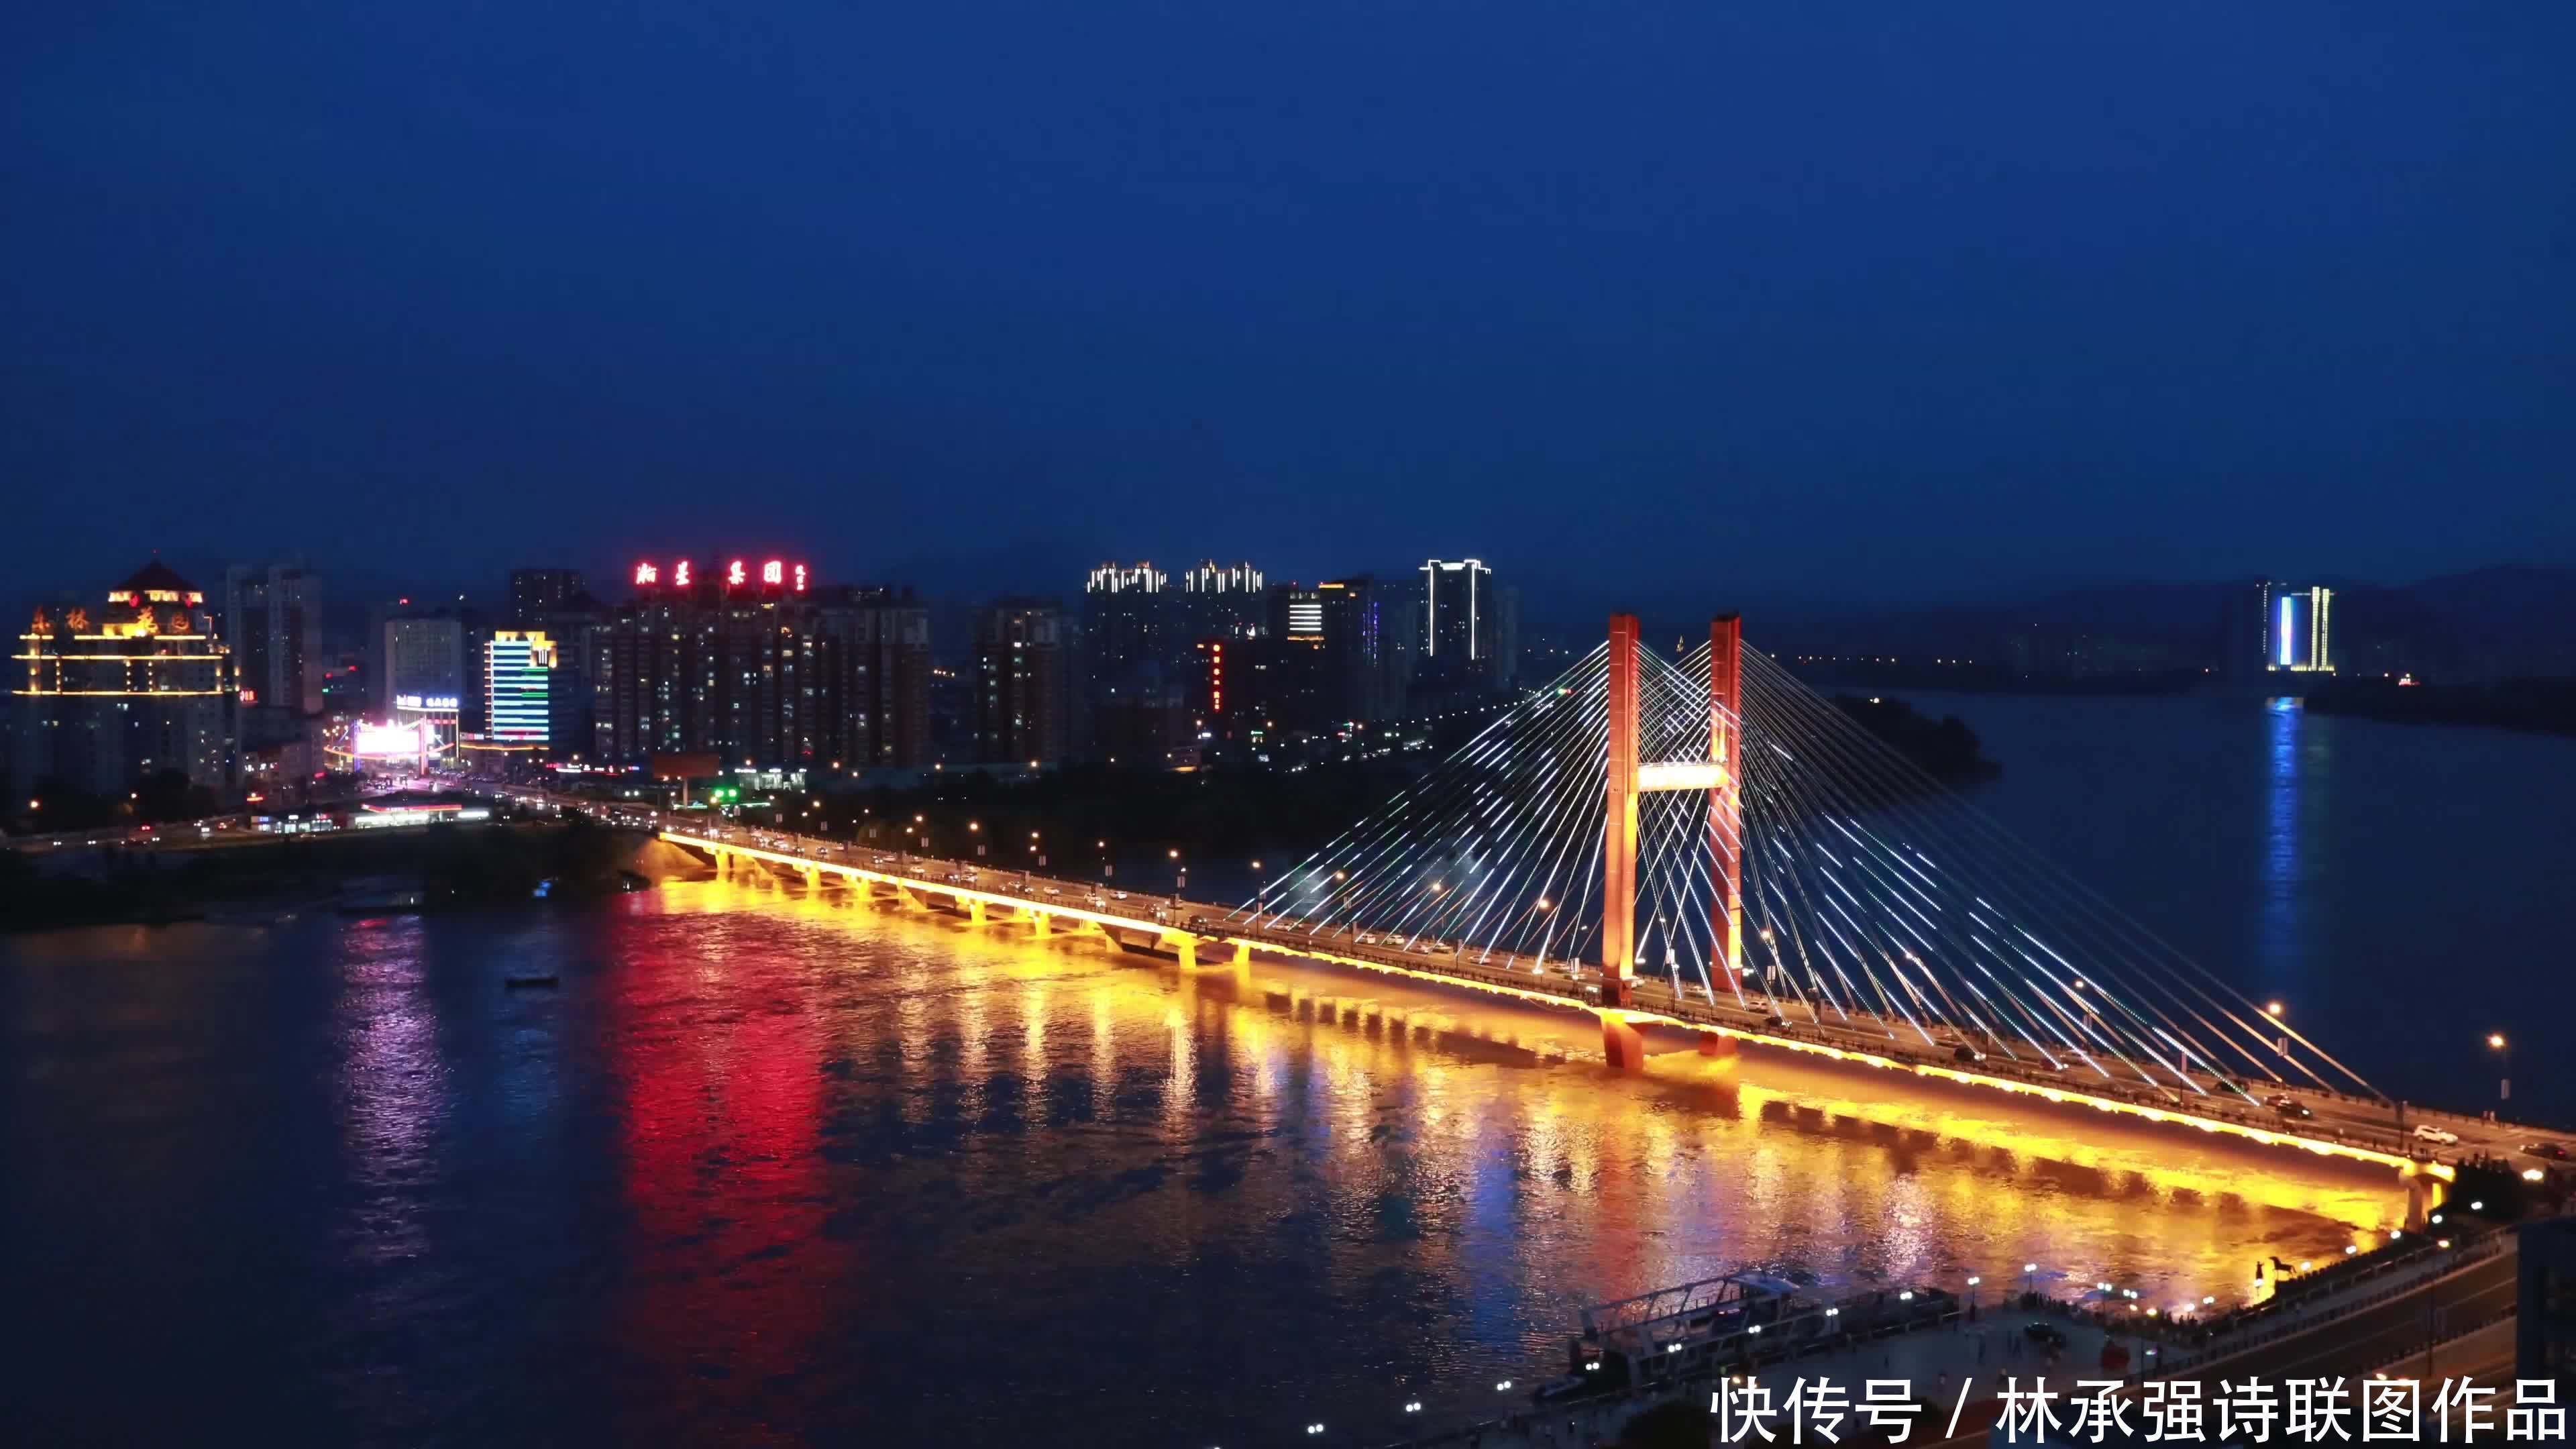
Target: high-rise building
(1129, 617)
(1216, 601)
(769, 673)
(537, 595)
(1369, 646)
(872, 675)
(518, 684)
(1020, 681)
(273, 624)
(1458, 612)
(1131, 623)
(110, 700)
(2296, 633)
(424, 669)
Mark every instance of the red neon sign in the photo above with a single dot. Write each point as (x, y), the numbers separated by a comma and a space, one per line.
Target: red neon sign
(800, 578)
(736, 574)
(773, 573)
(680, 574)
(646, 574)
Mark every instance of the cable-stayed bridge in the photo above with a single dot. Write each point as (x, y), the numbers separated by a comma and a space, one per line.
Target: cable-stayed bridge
(1702, 844)
(1710, 831)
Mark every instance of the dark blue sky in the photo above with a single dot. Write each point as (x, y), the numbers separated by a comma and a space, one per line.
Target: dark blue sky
(1810, 300)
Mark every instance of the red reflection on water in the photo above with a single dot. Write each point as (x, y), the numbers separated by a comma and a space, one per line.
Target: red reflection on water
(720, 1056)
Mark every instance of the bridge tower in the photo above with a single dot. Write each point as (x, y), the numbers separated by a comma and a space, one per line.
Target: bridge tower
(1725, 798)
(1630, 777)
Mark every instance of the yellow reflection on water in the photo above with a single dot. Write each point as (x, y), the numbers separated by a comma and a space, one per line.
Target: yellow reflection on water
(1465, 1136)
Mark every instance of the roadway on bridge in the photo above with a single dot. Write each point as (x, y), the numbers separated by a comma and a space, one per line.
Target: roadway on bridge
(2357, 1126)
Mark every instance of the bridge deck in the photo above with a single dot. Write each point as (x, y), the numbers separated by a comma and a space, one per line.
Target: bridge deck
(2354, 1128)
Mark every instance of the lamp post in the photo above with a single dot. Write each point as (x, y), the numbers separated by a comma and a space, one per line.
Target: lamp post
(2281, 1043)
(1180, 873)
(2504, 1049)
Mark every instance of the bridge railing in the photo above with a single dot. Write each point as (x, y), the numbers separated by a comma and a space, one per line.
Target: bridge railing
(1346, 944)
(2214, 1109)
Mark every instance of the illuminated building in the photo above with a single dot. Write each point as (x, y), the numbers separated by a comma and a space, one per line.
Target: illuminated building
(518, 674)
(1132, 620)
(1213, 579)
(872, 669)
(770, 671)
(273, 622)
(1220, 601)
(1470, 628)
(1297, 615)
(397, 811)
(410, 745)
(423, 673)
(2297, 628)
(1020, 682)
(537, 595)
(1456, 615)
(1137, 645)
(1370, 646)
(113, 697)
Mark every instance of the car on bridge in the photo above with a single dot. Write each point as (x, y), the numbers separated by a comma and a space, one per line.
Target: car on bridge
(2289, 1107)
(2427, 1132)
(2550, 1150)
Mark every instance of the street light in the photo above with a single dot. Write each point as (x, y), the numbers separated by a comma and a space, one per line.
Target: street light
(2504, 1084)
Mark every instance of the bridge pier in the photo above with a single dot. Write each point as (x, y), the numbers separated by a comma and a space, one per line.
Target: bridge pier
(974, 910)
(1185, 948)
(2419, 1202)
(1039, 925)
(1717, 1044)
(1623, 1047)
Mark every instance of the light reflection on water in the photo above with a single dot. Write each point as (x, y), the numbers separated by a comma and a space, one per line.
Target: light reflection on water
(1429, 1185)
(774, 1164)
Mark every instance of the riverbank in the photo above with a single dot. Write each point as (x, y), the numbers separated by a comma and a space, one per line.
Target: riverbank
(2531, 706)
(434, 868)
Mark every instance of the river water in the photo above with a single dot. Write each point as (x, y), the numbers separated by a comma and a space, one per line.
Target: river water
(775, 1166)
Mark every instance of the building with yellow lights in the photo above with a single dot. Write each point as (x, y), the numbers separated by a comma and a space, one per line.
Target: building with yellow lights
(113, 696)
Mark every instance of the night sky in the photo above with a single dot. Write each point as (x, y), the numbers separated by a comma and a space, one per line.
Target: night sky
(1828, 300)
